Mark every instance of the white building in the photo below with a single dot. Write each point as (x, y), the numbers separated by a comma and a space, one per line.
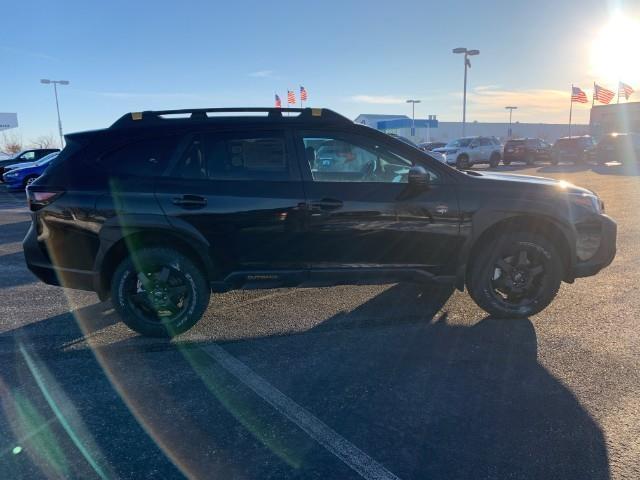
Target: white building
(8, 120)
(436, 131)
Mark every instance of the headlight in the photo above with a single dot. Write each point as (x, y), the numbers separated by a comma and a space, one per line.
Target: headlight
(587, 200)
(11, 175)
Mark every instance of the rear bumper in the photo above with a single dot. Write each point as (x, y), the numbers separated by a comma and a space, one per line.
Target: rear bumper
(40, 264)
(606, 251)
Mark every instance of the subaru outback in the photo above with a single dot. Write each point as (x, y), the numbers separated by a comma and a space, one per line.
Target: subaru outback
(165, 207)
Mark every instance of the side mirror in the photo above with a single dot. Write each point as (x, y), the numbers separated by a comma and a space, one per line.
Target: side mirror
(418, 176)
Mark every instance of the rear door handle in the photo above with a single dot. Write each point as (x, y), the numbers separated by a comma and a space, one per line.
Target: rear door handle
(326, 204)
(190, 201)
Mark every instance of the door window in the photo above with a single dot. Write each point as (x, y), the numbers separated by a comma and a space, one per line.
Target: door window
(28, 156)
(485, 142)
(337, 159)
(235, 157)
(142, 158)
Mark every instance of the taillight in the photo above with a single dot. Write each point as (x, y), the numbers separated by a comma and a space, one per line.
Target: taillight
(40, 198)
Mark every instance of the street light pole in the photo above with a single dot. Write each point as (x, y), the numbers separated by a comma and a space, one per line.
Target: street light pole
(413, 115)
(511, 109)
(55, 91)
(467, 64)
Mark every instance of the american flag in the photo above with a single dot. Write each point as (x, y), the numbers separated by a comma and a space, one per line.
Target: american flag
(278, 101)
(624, 89)
(303, 94)
(291, 97)
(601, 94)
(577, 95)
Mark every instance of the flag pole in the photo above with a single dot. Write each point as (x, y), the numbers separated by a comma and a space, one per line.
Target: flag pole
(618, 90)
(593, 97)
(571, 109)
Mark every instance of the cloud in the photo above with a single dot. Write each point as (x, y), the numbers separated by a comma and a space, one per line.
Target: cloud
(262, 74)
(377, 99)
(28, 53)
(147, 95)
(486, 103)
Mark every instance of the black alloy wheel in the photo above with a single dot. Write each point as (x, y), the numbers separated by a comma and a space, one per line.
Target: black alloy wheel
(516, 275)
(159, 292)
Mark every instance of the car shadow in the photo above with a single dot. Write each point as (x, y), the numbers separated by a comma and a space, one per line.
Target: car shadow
(565, 168)
(619, 169)
(422, 394)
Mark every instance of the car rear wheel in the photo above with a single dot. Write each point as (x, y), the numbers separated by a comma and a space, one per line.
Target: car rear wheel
(530, 159)
(516, 276)
(462, 162)
(159, 292)
(555, 159)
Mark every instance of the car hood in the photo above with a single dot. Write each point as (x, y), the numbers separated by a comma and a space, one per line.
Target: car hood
(529, 180)
(17, 166)
(445, 149)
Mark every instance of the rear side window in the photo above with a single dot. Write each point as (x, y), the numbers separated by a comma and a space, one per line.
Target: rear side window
(485, 142)
(143, 158)
(261, 156)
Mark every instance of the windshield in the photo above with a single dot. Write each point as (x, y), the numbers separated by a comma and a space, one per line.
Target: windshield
(46, 159)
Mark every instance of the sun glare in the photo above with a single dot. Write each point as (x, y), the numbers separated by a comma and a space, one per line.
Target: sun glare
(614, 51)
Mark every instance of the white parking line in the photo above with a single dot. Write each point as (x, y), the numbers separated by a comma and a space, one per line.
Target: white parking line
(351, 455)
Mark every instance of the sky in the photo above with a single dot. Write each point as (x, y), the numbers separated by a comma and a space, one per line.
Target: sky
(351, 56)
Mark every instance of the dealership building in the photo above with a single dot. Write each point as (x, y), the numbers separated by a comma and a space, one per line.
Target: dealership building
(618, 117)
(437, 131)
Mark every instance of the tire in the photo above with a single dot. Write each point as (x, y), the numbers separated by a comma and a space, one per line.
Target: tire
(494, 161)
(499, 273)
(555, 159)
(462, 162)
(530, 159)
(180, 292)
(29, 180)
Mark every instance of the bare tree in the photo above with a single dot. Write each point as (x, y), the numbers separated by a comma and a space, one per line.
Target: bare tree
(11, 143)
(44, 141)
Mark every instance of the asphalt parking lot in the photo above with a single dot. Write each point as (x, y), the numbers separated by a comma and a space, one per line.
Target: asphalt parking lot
(344, 382)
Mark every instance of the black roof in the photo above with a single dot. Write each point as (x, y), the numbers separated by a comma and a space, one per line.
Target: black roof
(150, 118)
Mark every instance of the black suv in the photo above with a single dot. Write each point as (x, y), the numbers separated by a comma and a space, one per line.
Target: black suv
(574, 149)
(527, 150)
(164, 207)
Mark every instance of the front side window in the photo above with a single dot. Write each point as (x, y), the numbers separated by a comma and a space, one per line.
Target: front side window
(342, 159)
(28, 156)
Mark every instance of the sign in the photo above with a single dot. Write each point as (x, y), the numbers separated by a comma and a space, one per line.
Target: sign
(8, 120)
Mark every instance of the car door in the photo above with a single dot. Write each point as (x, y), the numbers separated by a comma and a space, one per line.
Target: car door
(241, 190)
(363, 213)
(485, 149)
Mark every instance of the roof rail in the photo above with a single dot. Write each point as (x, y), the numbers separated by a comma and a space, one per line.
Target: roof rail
(155, 117)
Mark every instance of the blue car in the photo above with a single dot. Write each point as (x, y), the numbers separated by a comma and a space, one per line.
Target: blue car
(18, 178)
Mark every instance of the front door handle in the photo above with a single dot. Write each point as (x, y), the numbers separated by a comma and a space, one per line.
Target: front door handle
(190, 201)
(326, 204)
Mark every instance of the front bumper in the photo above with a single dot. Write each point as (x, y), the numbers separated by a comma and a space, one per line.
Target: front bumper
(605, 253)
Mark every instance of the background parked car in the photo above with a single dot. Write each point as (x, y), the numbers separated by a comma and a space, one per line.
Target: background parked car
(618, 147)
(527, 150)
(468, 151)
(573, 149)
(26, 156)
(18, 178)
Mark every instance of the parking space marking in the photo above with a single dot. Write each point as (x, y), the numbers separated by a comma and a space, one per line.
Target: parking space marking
(339, 446)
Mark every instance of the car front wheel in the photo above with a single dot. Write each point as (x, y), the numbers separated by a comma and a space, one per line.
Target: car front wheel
(516, 276)
(159, 292)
